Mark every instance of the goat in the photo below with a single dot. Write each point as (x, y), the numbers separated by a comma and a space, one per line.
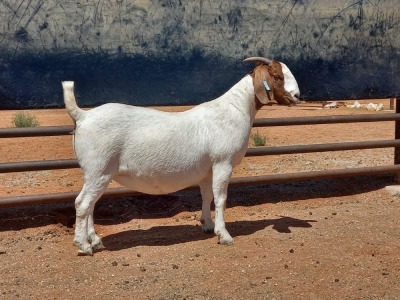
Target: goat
(158, 152)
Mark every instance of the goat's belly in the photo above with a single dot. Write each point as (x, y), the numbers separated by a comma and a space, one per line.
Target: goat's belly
(158, 185)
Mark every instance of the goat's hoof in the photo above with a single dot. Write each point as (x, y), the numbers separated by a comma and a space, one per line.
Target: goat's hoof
(85, 250)
(98, 246)
(208, 228)
(207, 225)
(228, 241)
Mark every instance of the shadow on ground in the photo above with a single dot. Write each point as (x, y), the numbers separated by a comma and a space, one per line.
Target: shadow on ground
(124, 209)
(171, 235)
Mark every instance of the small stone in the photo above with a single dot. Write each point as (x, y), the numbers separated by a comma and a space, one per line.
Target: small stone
(175, 267)
(393, 190)
(139, 255)
(291, 250)
(39, 248)
(125, 264)
(114, 264)
(143, 269)
(336, 280)
(2, 252)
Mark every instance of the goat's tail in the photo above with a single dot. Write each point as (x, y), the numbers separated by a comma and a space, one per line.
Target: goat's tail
(70, 102)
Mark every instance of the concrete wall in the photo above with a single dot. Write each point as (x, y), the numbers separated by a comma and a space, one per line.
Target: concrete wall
(179, 51)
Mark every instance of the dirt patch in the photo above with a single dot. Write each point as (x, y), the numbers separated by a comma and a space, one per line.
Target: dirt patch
(327, 239)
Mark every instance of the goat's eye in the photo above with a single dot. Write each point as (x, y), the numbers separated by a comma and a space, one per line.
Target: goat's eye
(276, 78)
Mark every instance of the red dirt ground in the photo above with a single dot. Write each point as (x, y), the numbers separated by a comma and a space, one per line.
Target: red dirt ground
(324, 239)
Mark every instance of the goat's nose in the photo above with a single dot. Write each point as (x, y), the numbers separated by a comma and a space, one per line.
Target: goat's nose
(296, 98)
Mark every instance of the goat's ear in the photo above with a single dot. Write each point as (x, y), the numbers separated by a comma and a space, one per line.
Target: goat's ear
(260, 74)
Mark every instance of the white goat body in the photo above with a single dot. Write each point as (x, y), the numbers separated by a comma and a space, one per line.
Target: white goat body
(158, 152)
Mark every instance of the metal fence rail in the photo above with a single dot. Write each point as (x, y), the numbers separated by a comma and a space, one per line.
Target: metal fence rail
(238, 181)
(65, 130)
(35, 131)
(264, 179)
(42, 165)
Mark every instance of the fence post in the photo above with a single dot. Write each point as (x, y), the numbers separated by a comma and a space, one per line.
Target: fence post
(397, 136)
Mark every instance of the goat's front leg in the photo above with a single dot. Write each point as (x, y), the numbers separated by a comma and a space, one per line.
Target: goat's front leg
(207, 223)
(221, 175)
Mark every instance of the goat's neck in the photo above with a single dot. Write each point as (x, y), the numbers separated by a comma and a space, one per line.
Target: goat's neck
(241, 96)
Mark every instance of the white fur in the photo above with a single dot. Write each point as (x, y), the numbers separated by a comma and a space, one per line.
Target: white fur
(290, 83)
(158, 152)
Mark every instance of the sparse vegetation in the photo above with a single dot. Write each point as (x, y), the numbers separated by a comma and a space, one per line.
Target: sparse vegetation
(258, 139)
(24, 119)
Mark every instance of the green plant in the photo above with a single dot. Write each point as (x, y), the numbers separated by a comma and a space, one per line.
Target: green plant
(258, 139)
(24, 119)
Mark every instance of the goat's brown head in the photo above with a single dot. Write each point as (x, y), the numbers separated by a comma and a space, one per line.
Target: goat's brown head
(273, 82)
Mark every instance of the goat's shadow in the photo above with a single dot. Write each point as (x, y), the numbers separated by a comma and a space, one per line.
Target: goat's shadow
(177, 234)
(167, 206)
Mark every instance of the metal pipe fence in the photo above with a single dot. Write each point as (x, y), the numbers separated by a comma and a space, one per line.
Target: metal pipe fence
(264, 122)
(41, 165)
(264, 179)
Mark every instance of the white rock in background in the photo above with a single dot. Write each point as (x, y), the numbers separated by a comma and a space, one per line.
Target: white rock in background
(331, 105)
(355, 105)
(374, 106)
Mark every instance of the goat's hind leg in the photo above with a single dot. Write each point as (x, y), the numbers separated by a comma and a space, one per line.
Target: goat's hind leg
(94, 239)
(85, 235)
(207, 223)
(81, 223)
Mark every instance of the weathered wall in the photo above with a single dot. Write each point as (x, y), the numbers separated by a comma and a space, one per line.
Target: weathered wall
(174, 52)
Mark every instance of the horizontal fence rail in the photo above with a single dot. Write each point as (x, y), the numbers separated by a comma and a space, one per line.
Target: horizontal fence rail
(36, 131)
(40, 165)
(264, 122)
(263, 179)
(238, 181)
(259, 151)
(66, 130)
(278, 150)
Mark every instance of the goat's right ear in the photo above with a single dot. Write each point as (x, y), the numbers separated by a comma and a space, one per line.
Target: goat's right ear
(260, 74)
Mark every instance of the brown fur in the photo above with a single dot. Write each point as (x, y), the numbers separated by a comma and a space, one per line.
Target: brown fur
(274, 76)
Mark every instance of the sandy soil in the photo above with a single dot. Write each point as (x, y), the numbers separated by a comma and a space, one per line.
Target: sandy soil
(325, 239)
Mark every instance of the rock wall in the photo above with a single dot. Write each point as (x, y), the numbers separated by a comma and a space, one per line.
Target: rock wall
(185, 52)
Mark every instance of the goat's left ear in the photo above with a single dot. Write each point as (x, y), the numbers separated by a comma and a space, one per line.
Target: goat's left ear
(261, 73)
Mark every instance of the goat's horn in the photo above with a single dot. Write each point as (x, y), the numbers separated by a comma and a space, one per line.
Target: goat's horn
(259, 59)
